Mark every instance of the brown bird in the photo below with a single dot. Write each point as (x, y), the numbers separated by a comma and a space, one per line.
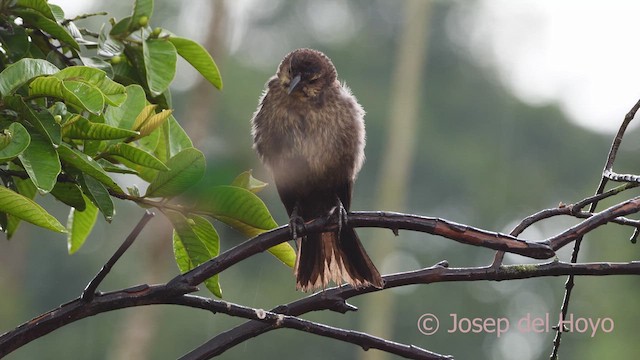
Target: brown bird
(309, 131)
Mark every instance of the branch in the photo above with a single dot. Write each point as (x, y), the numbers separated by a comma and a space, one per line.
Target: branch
(335, 298)
(608, 166)
(186, 283)
(90, 290)
(606, 172)
(277, 320)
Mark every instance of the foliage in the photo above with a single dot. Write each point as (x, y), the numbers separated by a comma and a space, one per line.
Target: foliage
(78, 108)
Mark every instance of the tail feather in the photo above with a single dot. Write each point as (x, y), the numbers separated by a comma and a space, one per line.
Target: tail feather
(328, 257)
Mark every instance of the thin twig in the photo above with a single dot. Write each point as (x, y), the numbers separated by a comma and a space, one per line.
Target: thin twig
(608, 166)
(90, 290)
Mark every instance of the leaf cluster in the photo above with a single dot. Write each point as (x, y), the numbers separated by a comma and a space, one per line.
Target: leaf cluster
(78, 108)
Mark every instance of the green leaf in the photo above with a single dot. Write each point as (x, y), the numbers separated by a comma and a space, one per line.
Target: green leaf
(41, 22)
(70, 194)
(107, 45)
(40, 160)
(17, 74)
(239, 208)
(80, 94)
(40, 6)
(79, 226)
(114, 93)
(15, 139)
(244, 211)
(57, 12)
(23, 187)
(186, 168)
(81, 128)
(141, 8)
(160, 57)
(136, 156)
(15, 41)
(43, 121)
(247, 181)
(89, 96)
(199, 58)
(178, 138)
(98, 63)
(98, 194)
(124, 115)
(285, 253)
(26, 209)
(109, 167)
(195, 241)
(86, 165)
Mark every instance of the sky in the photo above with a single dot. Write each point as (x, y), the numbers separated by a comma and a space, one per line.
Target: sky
(582, 54)
(579, 53)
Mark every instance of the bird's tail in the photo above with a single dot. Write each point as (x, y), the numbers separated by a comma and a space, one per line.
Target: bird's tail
(326, 257)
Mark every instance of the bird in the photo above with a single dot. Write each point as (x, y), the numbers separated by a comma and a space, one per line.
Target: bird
(309, 132)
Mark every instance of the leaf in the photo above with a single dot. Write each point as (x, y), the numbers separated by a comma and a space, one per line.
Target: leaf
(160, 57)
(107, 45)
(239, 208)
(80, 94)
(15, 41)
(247, 181)
(144, 115)
(153, 122)
(86, 165)
(136, 156)
(43, 121)
(141, 9)
(23, 187)
(70, 194)
(40, 160)
(199, 58)
(81, 128)
(178, 138)
(98, 194)
(79, 226)
(98, 63)
(41, 22)
(57, 12)
(186, 168)
(15, 140)
(18, 73)
(124, 115)
(90, 97)
(245, 212)
(114, 93)
(40, 6)
(195, 241)
(26, 209)
(285, 253)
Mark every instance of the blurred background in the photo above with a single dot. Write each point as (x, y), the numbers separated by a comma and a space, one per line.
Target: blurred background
(480, 112)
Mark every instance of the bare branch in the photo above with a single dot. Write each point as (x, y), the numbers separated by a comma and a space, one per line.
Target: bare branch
(90, 289)
(276, 320)
(608, 166)
(329, 299)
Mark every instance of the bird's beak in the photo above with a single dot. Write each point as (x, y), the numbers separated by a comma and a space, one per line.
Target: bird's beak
(294, 83)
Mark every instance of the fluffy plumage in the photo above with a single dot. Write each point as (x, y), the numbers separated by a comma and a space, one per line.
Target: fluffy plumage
(309, 131)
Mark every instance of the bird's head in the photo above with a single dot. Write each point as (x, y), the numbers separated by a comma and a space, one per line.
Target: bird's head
(306, 72)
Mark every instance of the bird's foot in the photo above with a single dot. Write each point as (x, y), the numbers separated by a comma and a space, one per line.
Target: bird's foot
(296, 224)
(343, 216)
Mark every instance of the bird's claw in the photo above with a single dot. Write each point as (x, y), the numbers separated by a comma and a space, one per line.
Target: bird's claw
(296, 224)
(343, 217)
